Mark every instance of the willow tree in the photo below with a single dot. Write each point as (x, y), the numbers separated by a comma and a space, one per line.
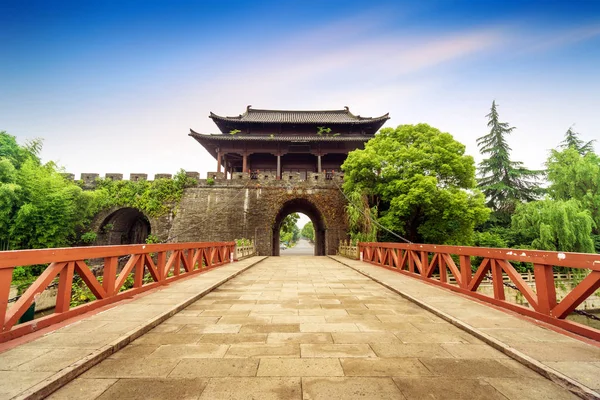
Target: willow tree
(504, 182)
(555, 225)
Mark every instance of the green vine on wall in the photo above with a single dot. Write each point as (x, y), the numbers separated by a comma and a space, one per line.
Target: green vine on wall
(153, 198)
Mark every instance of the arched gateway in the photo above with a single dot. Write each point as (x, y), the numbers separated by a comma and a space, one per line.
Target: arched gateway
(121, 225)
(306, 207)
(271, 163)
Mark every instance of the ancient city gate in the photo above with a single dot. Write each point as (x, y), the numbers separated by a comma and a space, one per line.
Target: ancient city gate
(270, 163)
(254, 209)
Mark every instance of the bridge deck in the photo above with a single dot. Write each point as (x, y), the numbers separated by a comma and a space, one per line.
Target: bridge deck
(311, 328)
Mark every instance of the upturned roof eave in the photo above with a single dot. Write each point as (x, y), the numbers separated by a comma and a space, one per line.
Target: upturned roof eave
(362, 121)
(285, 138)
(266, 116)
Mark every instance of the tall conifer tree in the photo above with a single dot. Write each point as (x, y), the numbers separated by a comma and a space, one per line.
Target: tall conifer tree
(572, 140)
(505, 183)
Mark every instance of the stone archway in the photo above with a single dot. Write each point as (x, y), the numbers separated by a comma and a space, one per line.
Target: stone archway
(124, 226)
(306, 207)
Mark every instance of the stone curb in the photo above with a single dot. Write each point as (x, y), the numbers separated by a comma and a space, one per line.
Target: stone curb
(66, 375)
(568, 383)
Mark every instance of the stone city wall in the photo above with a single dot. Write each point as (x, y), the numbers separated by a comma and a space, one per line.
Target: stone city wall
(244, 206)
(217, 213)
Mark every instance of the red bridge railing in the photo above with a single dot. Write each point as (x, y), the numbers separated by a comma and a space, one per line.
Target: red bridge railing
(423, 261)
(159, 263)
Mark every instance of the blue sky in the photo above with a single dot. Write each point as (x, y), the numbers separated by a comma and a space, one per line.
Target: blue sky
(114, 86)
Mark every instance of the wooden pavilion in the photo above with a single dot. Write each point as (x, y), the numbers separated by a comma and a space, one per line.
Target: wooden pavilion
(281, 141)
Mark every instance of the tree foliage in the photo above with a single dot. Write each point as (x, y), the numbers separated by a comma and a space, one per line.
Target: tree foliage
(572, 141)
(555, 225)
(308, 231)
(576, 176)
(39, 208)
(289, 231)
(569, 218)
(153, 198)
(421, 182)
(504, 182)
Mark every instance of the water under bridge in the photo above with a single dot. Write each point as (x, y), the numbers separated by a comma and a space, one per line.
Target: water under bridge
(405, 322)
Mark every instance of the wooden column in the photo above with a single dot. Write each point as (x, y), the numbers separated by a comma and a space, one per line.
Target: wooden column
(245, 162)
(219, 160)
(278, 166)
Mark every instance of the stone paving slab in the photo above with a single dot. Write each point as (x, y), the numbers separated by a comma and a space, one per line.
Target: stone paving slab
(573, 363)
(290, 345)
(37, 368)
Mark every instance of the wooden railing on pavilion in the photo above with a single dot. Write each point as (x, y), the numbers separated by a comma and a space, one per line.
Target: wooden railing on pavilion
(434, 264)
(157, 264)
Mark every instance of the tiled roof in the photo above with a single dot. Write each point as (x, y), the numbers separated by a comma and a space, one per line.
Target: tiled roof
(280, 138)
(300, 117)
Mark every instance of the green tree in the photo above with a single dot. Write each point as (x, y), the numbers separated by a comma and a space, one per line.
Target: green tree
(47, 210)
(555, 225)
(11, 151)
(421, 182)
(505, 183)
(289, 232)
(308, 231)
(289, 222)
(572, 141)
(576, 176)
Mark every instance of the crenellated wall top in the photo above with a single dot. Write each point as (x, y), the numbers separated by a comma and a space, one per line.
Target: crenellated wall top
(89, 178)
(218, 179)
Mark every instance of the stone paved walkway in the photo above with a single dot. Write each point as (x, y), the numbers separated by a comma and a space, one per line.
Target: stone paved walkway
(561, 356)
(307, 328)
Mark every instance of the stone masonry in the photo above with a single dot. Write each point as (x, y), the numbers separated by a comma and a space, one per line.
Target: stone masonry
(250, 208)
(244, 206)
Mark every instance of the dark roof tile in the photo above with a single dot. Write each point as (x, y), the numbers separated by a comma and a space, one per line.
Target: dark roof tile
(300, 117)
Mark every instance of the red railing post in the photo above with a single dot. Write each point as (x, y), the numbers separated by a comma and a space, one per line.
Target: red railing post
(109, 276)
(544, 287)
(161, 261)
(465, 271)
(5, 281)
(176, 262)
(65, 284)
(138, 275)
(498, 282)
(424, 264)
(442, 269)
